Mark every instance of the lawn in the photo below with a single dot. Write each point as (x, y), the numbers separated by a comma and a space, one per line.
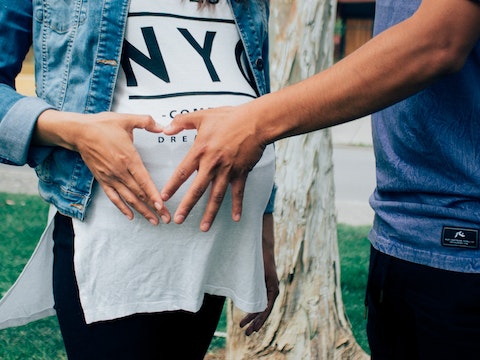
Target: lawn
(22, 218)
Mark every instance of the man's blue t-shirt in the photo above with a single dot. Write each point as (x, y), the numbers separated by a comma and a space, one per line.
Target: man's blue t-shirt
(427, 149)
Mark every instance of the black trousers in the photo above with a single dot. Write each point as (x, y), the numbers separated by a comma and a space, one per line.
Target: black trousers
(165, 335)
(418, 312)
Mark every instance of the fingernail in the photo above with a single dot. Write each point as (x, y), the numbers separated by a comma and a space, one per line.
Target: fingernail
(158, 206)
(205, 226)
(153, 221)
(179, 219)
(236, 217)
(165, 219)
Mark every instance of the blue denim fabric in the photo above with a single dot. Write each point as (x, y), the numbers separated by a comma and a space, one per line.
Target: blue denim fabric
(77, 46)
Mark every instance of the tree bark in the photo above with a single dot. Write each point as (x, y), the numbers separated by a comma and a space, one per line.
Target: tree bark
(308, 320)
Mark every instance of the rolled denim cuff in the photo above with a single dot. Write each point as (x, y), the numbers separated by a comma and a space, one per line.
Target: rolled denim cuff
(17, 127)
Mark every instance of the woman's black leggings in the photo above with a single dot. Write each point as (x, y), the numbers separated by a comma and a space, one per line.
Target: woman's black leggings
(165, 335)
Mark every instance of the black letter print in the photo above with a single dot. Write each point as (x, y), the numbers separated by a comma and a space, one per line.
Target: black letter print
(154, 63)
(204, 52)
(245, 70)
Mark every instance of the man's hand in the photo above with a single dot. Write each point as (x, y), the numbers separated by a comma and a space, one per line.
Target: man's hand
(256, 320)
(105, 143)
(227, 147)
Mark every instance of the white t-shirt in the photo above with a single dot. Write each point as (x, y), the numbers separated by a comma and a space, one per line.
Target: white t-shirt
(177, 58)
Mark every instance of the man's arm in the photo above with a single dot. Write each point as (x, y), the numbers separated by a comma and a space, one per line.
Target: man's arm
(395, 64)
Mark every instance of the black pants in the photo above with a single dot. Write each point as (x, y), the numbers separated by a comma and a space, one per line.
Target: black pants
(418, 312)
(166, 335)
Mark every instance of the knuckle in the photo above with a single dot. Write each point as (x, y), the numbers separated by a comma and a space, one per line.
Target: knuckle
(222, 161)
(147, 119)
(142, 183)
(239, 192)
(217, 197)
(132, 172)
(181, 173)
(141, 195)
(129, 199)
(198, 191)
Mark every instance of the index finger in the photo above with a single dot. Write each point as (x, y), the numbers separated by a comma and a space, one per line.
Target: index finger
(182, 173)
(148, 192)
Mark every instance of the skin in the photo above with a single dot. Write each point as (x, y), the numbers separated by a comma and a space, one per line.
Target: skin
(393, 65)
(253, 322)
(231, 140)
(105, 142)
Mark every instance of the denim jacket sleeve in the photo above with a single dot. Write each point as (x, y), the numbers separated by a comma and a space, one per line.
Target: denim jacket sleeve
(18, 113)
(252, 21)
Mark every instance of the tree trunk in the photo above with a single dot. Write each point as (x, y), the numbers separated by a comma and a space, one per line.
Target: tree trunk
(308, 321)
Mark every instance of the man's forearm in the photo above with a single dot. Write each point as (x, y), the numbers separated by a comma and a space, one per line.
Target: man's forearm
(392, 66)
(395, 64)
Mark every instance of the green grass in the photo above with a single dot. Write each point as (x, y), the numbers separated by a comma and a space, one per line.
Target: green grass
(354, 249)
(22, 219)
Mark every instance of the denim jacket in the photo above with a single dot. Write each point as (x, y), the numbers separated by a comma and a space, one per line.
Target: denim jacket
(77, 47)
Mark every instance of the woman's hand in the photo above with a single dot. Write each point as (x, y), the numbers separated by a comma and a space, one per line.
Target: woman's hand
(256, 320)
(105, 143)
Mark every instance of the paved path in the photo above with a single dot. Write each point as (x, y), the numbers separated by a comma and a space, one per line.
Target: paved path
(354, 171)
(19, 180)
